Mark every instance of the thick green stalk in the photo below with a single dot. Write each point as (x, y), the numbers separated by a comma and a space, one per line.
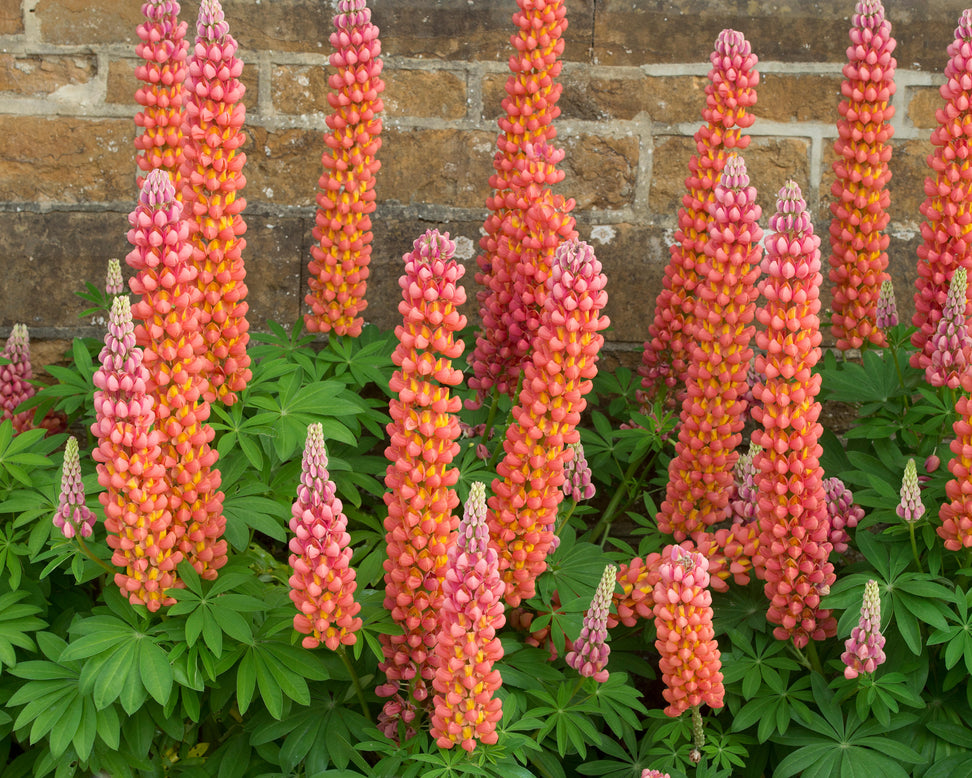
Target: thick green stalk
(355, 680)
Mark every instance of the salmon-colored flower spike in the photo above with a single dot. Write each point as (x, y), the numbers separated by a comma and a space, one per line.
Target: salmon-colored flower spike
(212, 178)
(170, 334)
(841, 512)
(730, 92)
(163, 46)
(141, 531)
(858, 244)
(73, 516)
(887, 307)
(523, 156)
(956, 515)
(700, 476)
(322, 586)
(864, 649)
(339, 268)
(466, 709)
(947, 233)
(690, 661)
(589, 654)
(15, 386)
(911, 508)
(794, 539)
(527, 491)
(736, 545)
(951, 345)
(424, 431)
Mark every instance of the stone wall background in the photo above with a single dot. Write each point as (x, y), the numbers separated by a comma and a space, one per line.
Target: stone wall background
(634, 76)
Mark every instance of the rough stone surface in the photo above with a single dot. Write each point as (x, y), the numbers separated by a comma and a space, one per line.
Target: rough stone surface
(675, 99)
(11, 17)
(275, 256)
(33, 75)
(283, 166)
(909, 168)
(798, 98)
(73, 22)
(434, 94)
(601, 171)
(925, 101)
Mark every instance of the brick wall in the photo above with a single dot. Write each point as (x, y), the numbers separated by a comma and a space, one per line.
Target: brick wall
(633, 79)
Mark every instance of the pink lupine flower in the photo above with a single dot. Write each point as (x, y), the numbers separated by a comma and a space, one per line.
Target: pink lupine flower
(114, 283)
(397, 717)
(911, 508)
(737, 543)
(864, 649)
(15, 386)
(637, 582)
(956, 515)
(577, 475)
(841, 511)
(322, 586)
(951, 345)
(887, 307)
(73, 516)
(466, 708)
(646, 773)
(589, 655)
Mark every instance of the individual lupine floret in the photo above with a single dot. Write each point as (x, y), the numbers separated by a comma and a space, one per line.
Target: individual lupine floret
(947, 231)
(911, 508)
(841, 512)
(951, 345)
(421, 526)
(212, 178)
(690, 661)
(466, 708)
(163, 46)
(700, 475)
(956, 515)
(15, 386)
(339, 268)
(730, 92)
(794, 544)
(527, 491)
(859, 256)
(887, 307)
(864, 649)
(589, 654)
(173, 346)
(141, 531)
(73, 516)
(114, 283)
(322, 586)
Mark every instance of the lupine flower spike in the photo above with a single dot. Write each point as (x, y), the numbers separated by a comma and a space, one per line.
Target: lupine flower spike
(911, 508)
(420, 478)
(739, 541)
(163, 46)
(73, 516)
(114, 283)
(794, 544)
(841, 512)
(339, 268)
(859, 246)
(589, 654)
(864, 649)
(946, 233)
(527, 491)
(690, 661)
(635, 600)
(646, 773)
(730, 92)
(956, 515)
(169, 332)
(951, 345)
(141, 530)
(466, 708)
(15, 386)
(322, 586)
(887, 307)
(212, 178)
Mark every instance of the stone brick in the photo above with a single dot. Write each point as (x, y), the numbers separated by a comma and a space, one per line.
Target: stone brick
(282, 166)
(66, 159)
(11, 17)
(675, 99)
(275, 257)
(438, 94)
(122, 83)
(909, 168)
(601, 171)
(95, 22)
(798, 98)
(36, 75)
(595, 98)
(925, 101)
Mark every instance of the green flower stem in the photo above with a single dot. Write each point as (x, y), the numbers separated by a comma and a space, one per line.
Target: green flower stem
(604, 525)
(355, 680)
(810, 660)
(89, 553)
(562, 521)
(914, 545)
(491, 465)
(897, 366)
(490, 418)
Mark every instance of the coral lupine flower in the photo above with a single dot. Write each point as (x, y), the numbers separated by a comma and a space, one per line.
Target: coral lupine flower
(424, 431)
(169, 332)
(322, 586)
(737, 543)
(911, 508)
(857, 240)
(946, 233)
(794, 531)
(887, 307)
(73, 516)
(646, 773)
(339, 268)
(951, 345)
(700, 475)
(163, 46)
(730, 92)
(956, 515)
(527, 491)
(589, 654)
(114, 283)
(690, 661)
(141, 531)
(467, 646)
(637, 582)
(15, 386)
(841, 511)
(864, 649)
(212, 177)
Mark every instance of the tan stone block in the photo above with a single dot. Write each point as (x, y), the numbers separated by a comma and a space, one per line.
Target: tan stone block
(96, 22)
(300, 89)
(601, 172)
(37, 75)
(909, 169)
(275, 261)
(283, 166)
(593, 98)
(11, 17)
(783, 97)
(439, 94)
(675, 99)
(925, 101)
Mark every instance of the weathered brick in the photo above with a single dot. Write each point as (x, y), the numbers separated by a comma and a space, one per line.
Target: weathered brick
(601, 171)
(595, 98)
(434, 94)
(66, 159)
(36, 75)
(925, 101)
(802, 97)
(275, 257)
(283, 166)
(11, 17)
(909, 168)
(299, 89)
(675, 99)
(95, 22)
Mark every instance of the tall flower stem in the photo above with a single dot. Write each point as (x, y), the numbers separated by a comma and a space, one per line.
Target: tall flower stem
(623, 492)
(914, 546)
(355, 681)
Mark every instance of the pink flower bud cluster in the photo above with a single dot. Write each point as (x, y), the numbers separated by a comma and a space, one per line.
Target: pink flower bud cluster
(424, 431)
(577, 475)
(887, 307)
(466, 708)
(841, 511)
(73, 516)
(169, 333)
(528, 491)
(141, 531)
(700, 475)
(15, 386)
(589, 654)
(690, 661)
(859, 256)
(864, 649)
(646, 773)
(730, 92)
(339, 264)
(794, 541)
(322, 586)
(956, 515)
(737, 543)
(911, 508)
(951, 345)
(397, 719)
(163, 46)
(114, 283)
(212, 178)
(947, 233)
